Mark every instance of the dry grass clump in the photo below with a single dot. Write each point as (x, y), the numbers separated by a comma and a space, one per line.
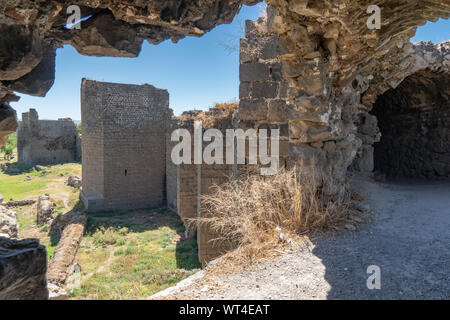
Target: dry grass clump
(220, 111)
(259, 214)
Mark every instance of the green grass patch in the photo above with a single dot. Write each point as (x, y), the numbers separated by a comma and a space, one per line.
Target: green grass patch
(25, 223)
(144, 256)
(124, 254)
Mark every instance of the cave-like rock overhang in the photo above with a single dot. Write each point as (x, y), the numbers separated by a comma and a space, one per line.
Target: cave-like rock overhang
(333, 62)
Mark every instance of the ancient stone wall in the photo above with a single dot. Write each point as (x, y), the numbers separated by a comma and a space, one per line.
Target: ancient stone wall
(46, 141)
(189, 182)
(262, 89)
(124, 145)
(328, 126)
(171, 168)
(183, 179)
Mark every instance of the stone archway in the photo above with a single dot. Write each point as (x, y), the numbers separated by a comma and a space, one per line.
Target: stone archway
(414, 120)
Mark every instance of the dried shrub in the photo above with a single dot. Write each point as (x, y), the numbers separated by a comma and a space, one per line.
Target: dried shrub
(260, 213)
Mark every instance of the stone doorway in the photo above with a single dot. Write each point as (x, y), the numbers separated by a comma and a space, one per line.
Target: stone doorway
(414, 121)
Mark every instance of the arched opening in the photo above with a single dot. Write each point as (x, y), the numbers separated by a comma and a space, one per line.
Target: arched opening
(414, 120)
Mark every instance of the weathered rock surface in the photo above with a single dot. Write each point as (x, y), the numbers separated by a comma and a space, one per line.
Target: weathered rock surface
(31, 32)
(9, 226)
(23, 265)
(334, 68)
(44, 209)
(8, 121)
(56, 293)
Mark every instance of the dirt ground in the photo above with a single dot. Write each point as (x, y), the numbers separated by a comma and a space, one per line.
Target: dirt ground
(408, 239)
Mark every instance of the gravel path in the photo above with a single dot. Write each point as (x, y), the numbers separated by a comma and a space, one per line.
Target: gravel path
(409, 239)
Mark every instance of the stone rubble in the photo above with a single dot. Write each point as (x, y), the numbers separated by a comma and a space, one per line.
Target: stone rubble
(44, 209)
(74, 181)
(9, 225)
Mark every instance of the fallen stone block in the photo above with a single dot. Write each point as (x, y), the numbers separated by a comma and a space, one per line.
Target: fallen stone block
(19, 203)
(39, 168)
(72, 225)
(74, 181)
(44, 209)
(9, 226)
(56, 292)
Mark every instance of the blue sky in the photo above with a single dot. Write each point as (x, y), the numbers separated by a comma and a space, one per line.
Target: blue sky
(197, 72)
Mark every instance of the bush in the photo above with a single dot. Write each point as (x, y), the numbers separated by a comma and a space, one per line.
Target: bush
(255, 212)
(109, 236)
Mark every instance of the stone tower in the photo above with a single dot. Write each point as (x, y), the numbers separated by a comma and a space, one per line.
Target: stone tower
(124, 138)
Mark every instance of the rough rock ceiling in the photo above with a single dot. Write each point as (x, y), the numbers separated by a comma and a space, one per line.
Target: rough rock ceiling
(334, 34)
(327, 43)
(32, 30)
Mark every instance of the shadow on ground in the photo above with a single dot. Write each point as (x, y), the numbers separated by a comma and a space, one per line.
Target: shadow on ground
(408, 240)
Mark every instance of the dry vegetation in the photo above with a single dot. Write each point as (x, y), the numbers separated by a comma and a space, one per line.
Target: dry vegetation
(210, 118)
(259, 214)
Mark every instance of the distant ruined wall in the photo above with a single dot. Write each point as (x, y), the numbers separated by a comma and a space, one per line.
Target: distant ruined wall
(187, 183)
(46, 141)
(124, 145)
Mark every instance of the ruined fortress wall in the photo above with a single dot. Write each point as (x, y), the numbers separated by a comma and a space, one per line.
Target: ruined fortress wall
(187, 183)
(46, 141)
(329, 129)
(132, 142)
(171, 168)
(262, 89)
(181, 180)
(92, 167)
(209, 247)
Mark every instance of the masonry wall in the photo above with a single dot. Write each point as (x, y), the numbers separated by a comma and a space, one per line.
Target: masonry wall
(262, 90)
(124, 132)
(171, 168)
(47, 141)
(187, 183)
